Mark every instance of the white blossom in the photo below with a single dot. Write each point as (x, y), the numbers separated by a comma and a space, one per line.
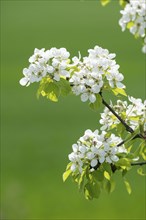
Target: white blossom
(96, 71)
(52, 63)
(93, 148)
(133, 112)
(134, 18)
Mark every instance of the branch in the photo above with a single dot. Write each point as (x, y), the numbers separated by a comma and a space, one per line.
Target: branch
(128, 128)
(138, 163)
(136, 136)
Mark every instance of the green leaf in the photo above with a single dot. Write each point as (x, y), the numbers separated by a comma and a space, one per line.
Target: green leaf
(130, 24)
(104, 2)
(140, 171)
(110, 186)
(106, 175)
(117, 91)
(134, 118)
(124, 172)
(123, 163)
(49, 88)
(130, 139)
(141, 127)
(52, 91)
(66, 175)
(98, 175)
(64, 86)
(143, 154)
(91, 190)
(128, 187)
(122, 3)
(81, 180)
(120, 129)
(107, 168)
(97, 104)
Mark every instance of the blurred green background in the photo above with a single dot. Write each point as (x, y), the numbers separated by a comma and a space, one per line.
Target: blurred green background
(37, 134)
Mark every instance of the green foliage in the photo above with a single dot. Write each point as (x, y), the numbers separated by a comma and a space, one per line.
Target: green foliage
(97, 104)
(109, 186)
(52, 89)
(123, 3)
(91, 183)
(107, 175)
(64, 86)
(140, 171)
(105, 2)
(124, 163)
(91, 190)
(98, 175)
(142, 151)
(130, 24)
(118, 91)
(66, 175)
(120, 129)
(128, 187)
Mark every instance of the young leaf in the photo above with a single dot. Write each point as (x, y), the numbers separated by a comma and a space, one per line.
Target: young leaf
(117, 91)
(140, 171)
(130, 24)
(124, 172)
(65, 87)
(52, 91)
(104, 2)
(106, 175)
(87, 192)
(122, 3)
(98, 175)
(124, 163)
(91, 190)
(81, 180)
(107, 168)
(66, 175)
(128, 187)
(120, 129)
(110, 186)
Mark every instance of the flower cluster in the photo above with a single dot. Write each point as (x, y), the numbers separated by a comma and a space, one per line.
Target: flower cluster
(93, 149)
(98, 70)
(53, 62)
(134, 114)
(87, 78)
(134, 18)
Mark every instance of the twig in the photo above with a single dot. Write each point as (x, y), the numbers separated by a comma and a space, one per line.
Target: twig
(138, 163)
(136, 136)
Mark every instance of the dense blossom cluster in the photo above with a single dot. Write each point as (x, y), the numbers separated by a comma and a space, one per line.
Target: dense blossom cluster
(93, 149)
(96, 70)
(87, 77)
(134, 18)
(134, 114)
(51, 62)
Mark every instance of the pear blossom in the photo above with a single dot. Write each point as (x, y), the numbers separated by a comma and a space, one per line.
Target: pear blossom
(93, 148)
(133, 112)
(94, 72)
(52, 63)
(134, 18)
(34, 73)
